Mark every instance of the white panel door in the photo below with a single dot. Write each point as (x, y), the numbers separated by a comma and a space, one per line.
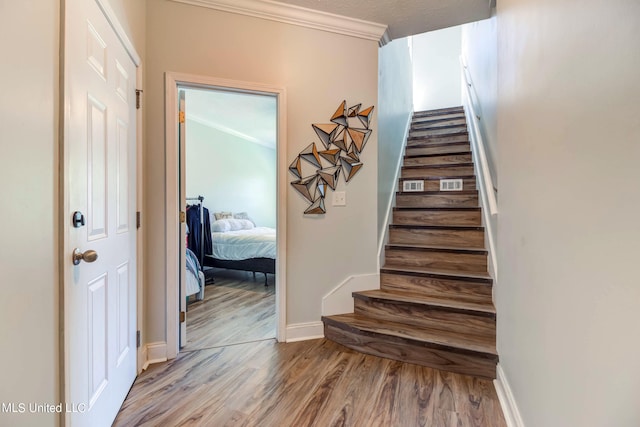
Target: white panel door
(99, 161)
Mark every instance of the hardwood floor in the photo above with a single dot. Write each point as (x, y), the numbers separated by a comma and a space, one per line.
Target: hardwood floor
(309, 383)
(235, 309)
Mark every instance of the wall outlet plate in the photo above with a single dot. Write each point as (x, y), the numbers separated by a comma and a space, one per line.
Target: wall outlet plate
(339, 198)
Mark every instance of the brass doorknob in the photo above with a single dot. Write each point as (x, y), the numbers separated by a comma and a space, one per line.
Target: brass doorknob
(87, 256)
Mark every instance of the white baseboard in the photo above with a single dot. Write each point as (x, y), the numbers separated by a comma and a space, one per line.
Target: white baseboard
(339, 299)
(156, 353)
(305, 331)
(507, 400)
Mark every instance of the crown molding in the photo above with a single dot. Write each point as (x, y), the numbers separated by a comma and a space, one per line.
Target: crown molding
(300, 16)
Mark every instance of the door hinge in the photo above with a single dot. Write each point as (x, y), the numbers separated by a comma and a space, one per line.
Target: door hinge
(183, 317)
(137, 339)
(138, 219)
(138, 99)
(183, 217)
(181, 117)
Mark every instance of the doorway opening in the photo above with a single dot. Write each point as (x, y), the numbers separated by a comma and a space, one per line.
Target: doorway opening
(230, 158)
(226, 159)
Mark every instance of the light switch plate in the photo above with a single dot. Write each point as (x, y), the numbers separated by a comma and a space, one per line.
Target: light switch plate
(339, 198)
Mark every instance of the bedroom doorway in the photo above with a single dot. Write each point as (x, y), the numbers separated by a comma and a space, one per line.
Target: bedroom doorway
(228, 163)
(228, 183)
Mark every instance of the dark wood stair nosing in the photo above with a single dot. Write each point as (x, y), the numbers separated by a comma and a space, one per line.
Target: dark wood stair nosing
(439, 227)
(437, 178)
(411, 341)
(430, 305)
(429, 248)
(442, 135)
(461, 276)
(435, 208)
(420, 156)
(440, 166)
(437, 193)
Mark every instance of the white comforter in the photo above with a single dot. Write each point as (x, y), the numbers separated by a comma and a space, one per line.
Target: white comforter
(258, 242)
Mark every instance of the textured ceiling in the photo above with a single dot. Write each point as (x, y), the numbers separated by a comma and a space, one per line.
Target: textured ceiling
(404, 17)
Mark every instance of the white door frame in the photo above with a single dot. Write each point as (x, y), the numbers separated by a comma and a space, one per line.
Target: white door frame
(63, 206)
(172, 81)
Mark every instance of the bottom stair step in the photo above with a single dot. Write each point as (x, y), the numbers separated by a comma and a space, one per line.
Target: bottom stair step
(448, 351)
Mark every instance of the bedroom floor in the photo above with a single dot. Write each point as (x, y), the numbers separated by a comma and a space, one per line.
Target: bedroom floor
(308, 383)
(236, 309)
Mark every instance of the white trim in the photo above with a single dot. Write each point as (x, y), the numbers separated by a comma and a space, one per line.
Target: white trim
(296, 15)
(507, 400)
(305, 331)
(485, 183)
(172, 80)
(339, 300)
(112, 18)
(156, 353)
(392, 200)
(143, 358)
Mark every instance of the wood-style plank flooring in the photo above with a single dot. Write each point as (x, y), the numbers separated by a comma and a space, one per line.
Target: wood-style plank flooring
(309, 383)
(235, 309)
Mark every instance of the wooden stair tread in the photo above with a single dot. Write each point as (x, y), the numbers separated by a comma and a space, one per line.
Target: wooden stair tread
(454, 153)
(436, 178)
(457, 208)
(438, 193)
(438, 227)
(439, 273)
(480, 308)
(447, 340)
(446, 165)
(432, 248)
(428, 113)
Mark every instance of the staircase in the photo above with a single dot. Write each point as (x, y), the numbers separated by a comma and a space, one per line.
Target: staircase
(434, 306)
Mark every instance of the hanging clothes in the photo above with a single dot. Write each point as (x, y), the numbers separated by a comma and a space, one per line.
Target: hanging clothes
(195, 238)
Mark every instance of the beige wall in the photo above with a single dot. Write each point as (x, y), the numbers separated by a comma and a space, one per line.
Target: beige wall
(395, 96)
(569, 230)
(29, 221)
(436, 69)
(480, 51)
(28, 218)
(318, 70)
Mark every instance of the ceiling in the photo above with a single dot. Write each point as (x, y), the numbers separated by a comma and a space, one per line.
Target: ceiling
(247, 116)
(253, 117)
(404, 17)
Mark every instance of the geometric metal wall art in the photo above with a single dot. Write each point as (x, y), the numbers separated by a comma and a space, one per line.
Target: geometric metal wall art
(342, 142)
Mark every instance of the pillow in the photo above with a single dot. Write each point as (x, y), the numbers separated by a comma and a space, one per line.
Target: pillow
(244, 215)
(235, 224)
(223, 215)
(246, 224)
(221, 226)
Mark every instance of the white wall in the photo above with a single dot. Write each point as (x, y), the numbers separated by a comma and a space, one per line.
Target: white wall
(28, 218)
(480, 51)
(318, 70)
(395, 98)
(233, 175)
(436, 69)
(569, 231)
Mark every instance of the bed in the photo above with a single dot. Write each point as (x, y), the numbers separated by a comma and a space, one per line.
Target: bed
(239, 245)
(195, 276)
